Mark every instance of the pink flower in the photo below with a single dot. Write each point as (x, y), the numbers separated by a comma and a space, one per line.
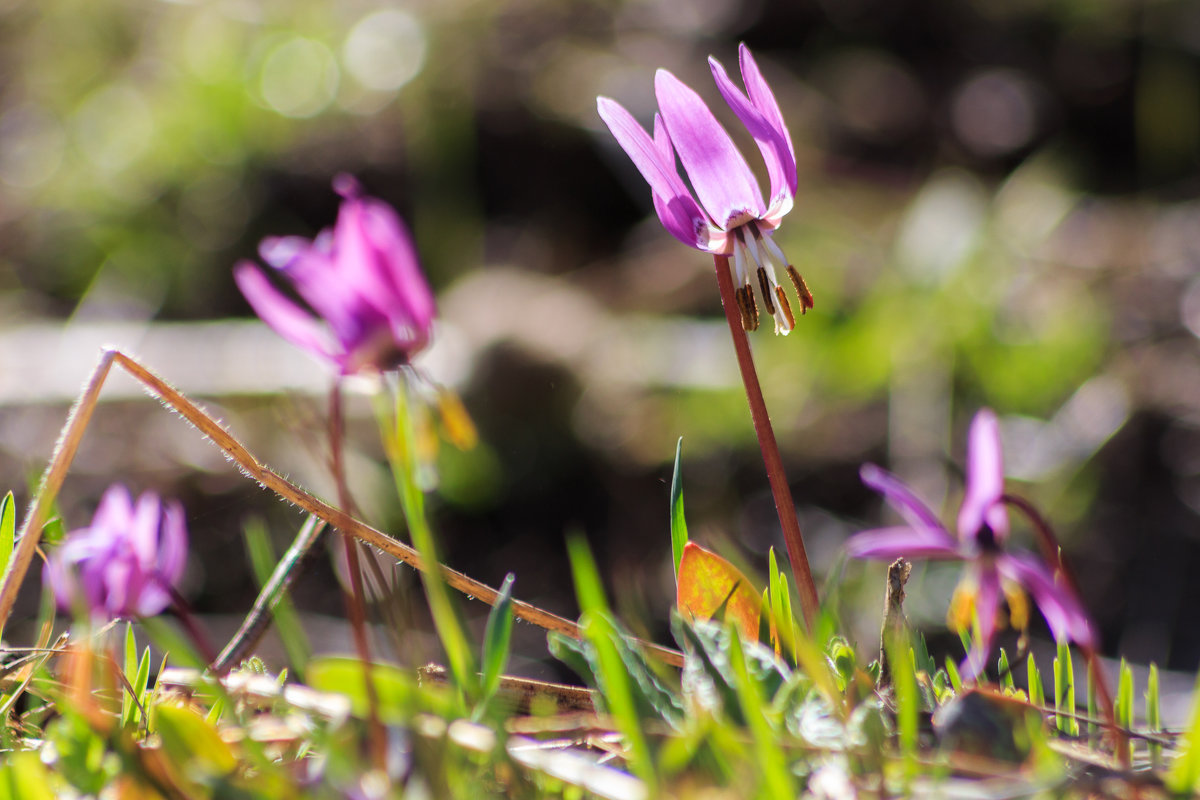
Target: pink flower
(124, 564)
(726, 214)
(362, 278)
(982, 534)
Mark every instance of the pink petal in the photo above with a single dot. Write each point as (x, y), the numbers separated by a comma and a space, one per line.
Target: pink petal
(987, 602)
(773, 142)
(901, 498)
(142, 533)
(764, 100)
(655, 160)
(284, 316)
(396, 260)
(903, 542)
(172, 543)
(1059, 605)
(985, 480)
(723, 181)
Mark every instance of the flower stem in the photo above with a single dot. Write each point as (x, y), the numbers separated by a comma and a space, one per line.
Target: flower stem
(355, 602)
(1053, 554)
(785, 506)
(190, 624)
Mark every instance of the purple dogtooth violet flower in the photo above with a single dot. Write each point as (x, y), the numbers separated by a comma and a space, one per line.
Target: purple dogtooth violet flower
(124, 564)
(362, 278)
(724, 212)
(992, 571)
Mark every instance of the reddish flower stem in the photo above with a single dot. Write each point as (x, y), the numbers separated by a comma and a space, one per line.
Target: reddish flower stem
(785, 506)
(355, 599)
(1052, 553)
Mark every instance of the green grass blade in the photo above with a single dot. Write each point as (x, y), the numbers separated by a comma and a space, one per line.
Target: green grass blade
(613, 680)
(287, 621)
(908, 700)
(1184, 776)
(130, 669)
(1125, 700)
(8, 529)
(496, 638)
(399, 436)
(1037, 695)
(1064, 692)
(772, 761)
(679, 533)
(952, 673)
(1093, 706)
(1153, 714)
(1005, 671)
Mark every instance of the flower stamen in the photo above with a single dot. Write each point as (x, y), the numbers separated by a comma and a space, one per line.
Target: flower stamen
(806, 298)
(765, 284)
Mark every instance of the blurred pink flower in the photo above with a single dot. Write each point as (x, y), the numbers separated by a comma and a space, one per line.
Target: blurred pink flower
(125, 563)
(982, 534)
(725, 214)
(362, 278)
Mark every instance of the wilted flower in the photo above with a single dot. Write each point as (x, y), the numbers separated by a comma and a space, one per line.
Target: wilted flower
(362, 278)
(726, 215)
(125, 563)
(991, 571)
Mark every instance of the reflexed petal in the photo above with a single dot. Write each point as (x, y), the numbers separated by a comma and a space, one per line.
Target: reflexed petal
(987, 603)
(771, 141)
(764, 100)
(646, 155)
(281, 251)
(985, 480)
(1059, 605)
(172, 543)
(903, 542)
(281, 314)
(680, 214)
(115, 509)
(397, 260)
(142, 533)
(723, 181)
(901, 498)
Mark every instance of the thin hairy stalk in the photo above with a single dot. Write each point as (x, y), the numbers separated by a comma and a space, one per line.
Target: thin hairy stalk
(785, 506)
(259, 618)
(64, 453)
(1053, 554)
(52, 480)
(356, 604)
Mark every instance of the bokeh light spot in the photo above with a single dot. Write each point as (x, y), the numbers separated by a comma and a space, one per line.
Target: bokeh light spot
(299, 78)
(114, 127)
(31, 147)
(385, 50)
(995, 112)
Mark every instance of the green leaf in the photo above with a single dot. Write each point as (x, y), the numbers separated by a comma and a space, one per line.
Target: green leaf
(952, 673)
(27, 778)
(130, 670)
(396, 692)
(193, 745)
(679, 534)
(708, 584)
(8, 529)
(496, 638)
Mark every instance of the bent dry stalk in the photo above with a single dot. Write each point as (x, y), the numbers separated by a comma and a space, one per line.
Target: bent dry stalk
(785, 506)
(76, 425)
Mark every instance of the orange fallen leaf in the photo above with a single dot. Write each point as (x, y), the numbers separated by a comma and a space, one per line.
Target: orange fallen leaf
(707, 582)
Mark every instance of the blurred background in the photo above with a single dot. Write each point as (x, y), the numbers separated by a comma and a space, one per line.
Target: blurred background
(997, 206)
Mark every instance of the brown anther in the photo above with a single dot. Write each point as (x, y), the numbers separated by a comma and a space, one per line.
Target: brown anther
(806, 298)
(764, 283)
(746, 308)
(786, 307)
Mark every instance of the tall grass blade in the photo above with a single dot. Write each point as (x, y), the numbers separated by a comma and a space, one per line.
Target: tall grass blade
(287, 621)
(613, 680)
(1153, 715)
(1064, 692)
(1005, 671)
(496, 638)
(8, 529)
(1033, 679)
(679, 533)
(1124, 706)
(1184, 775)
(772, 761)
